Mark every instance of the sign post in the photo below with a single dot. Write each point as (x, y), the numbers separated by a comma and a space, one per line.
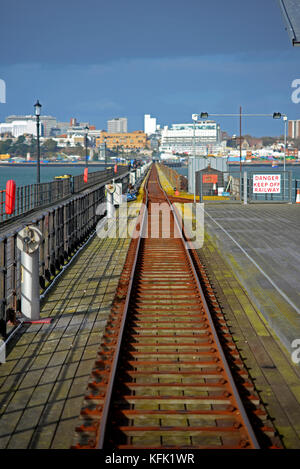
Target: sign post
(245, 188)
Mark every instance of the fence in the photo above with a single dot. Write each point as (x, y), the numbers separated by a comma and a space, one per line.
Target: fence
(65, 228)
(34, 196)
(256, 186)
(217, 186)
(177, 180)
(285, 190)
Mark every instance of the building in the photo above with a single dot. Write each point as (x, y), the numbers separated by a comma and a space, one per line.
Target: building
(149, 124)
(121, 140)
(199, 138)
(294, 129)
(19, 127)
(198, 164)
(117, 125)
(47, 122)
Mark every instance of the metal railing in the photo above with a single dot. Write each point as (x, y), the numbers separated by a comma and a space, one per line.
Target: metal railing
(34, 196)
(65, 227)
(177, 180)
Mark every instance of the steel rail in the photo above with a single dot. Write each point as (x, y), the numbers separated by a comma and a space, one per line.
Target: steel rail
(108, 395)
(213, 329)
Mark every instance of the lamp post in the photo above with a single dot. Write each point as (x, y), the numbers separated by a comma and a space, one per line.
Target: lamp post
(105, 156)
(86, 145)
(195, 118)
(37, 107)
(278, 115)
(285, 138)
(275, 115)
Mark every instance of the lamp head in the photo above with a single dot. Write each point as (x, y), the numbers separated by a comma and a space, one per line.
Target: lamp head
(37, 107)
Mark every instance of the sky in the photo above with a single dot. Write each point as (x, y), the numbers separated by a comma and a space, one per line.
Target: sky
(96, 60)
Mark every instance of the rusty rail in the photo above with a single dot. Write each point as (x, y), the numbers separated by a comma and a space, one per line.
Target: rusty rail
(162, 379)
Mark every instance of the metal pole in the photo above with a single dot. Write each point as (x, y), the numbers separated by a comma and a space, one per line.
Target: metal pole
(38, 149)
(86, 151)
(241, 153)
(245, 188)
(285, 138)
(284, 158)
(194, 165)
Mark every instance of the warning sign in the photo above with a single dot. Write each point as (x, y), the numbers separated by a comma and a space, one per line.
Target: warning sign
(210, 178)
(266, 183)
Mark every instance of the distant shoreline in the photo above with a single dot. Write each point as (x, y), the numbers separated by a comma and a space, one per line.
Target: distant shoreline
(266, 162)
(56, 164)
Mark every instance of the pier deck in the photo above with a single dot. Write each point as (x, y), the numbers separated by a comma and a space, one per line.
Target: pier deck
(261, 243)
(44, 379)
(43, 383)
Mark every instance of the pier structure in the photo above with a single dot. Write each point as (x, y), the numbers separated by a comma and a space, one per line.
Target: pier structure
(167, 340)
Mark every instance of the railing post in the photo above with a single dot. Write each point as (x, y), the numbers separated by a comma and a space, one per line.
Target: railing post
(3, 272)
(290, 187)
(245, 188)
(29, 240)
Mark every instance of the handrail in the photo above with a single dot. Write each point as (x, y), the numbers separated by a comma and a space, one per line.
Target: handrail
(34, 196)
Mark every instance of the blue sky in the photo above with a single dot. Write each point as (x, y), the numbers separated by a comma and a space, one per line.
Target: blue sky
(95, 60)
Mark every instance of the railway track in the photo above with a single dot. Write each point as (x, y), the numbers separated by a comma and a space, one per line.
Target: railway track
(163, 376)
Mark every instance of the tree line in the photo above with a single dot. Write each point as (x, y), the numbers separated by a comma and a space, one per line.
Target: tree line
(23, 145)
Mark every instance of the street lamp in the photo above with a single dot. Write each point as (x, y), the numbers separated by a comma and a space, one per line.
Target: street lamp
(86, 145)
(195, 118)
(105, 156)
(37, 107)
(278, 115)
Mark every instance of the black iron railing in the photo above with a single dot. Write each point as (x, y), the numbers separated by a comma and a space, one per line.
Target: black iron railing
(34, 196)
(65, 226)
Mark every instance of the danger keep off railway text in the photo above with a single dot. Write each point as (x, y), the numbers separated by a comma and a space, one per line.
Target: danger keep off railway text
(266, 183)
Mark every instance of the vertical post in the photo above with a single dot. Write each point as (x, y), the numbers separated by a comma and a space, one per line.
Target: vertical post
(37, 107)
(86, 151)
(290, 187)
(194, 165)
(29, 241)
(240, 152)
(110, 205)
(245, 188)
(38, 148)
(284, 159)
(3, 273)
(200, 187)
(30, 287)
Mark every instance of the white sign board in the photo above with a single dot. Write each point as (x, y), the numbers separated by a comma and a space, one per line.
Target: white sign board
(266, 183)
